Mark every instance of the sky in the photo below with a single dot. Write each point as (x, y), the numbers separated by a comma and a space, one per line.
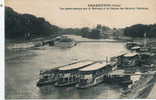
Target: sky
(50, 10)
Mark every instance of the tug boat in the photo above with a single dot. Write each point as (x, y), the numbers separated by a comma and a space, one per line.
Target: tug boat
(67, 75)
(93, 74)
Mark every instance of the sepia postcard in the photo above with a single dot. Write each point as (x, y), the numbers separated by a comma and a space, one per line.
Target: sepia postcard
(79, 49)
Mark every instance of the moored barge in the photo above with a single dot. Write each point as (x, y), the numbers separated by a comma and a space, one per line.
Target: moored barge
(119, 77)
(128, 60)
(67, 75)
(50, 76)
(93, 74)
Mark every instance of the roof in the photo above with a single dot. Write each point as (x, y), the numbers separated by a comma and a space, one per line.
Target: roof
(120, 54)
(117, 72)
(136, 47)
(130, 54)
(76, 65)
(93, 67)
(134, 43)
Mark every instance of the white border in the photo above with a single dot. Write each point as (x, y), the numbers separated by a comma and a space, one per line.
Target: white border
(2, 53)
(2, 61)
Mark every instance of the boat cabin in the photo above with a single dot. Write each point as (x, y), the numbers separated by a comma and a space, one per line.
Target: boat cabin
(146, 58)
(47, 77)
(93, 74)
(128, 60)
(50, 76)
(130, 45)
(67, 75)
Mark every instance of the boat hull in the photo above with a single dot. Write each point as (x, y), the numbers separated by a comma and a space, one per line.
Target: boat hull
(43, 83)
(123, 81)
(65, 84)
(95, 82)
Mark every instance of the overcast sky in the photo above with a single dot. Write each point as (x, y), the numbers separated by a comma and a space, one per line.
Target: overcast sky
(50, 10)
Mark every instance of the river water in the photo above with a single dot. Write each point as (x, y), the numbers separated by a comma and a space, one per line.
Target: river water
(23, 66)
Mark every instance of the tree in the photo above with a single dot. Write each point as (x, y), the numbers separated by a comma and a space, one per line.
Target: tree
(137, 30)
(85, 31)
(26, 26)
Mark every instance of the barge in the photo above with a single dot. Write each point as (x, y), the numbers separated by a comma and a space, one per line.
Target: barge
(128, 60)
(50, 76)
(67, 75)
(119, 77)
(93, 74)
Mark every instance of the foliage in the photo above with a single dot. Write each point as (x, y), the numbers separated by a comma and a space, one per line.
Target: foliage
(139, 30)
(95, 33)
(26, 26)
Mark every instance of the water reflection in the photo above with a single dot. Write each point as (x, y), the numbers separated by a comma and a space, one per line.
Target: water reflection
(100, 91)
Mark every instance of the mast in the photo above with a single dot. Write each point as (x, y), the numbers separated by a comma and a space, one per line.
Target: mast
(145, 39)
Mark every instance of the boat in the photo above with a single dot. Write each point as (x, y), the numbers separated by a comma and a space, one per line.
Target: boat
(136, 48)
(47, 77)
(119, 77)
(50, 76)
(128, 60)
(68, 76)
(65, 42)
(132, 45)
(140, 47)
(93, 74)
(140, 83)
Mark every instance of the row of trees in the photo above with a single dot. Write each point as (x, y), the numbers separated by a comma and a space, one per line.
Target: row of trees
(93, 33)
(26, 26)
(138, 30)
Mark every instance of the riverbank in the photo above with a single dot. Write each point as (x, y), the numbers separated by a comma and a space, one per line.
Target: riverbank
(12, 44)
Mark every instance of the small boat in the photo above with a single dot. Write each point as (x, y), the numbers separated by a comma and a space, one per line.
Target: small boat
(67, 75)
(125, 91)
(93, 74)
(136, 48)
(131, 45)
(65, 42)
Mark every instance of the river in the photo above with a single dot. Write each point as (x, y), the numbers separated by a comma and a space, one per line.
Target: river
(23, 66)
